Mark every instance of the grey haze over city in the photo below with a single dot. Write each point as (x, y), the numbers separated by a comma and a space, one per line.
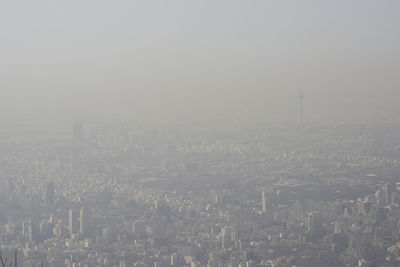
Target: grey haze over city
(199, 133)
(199, 61)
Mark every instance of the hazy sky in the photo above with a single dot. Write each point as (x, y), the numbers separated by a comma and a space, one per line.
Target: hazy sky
(199, 59)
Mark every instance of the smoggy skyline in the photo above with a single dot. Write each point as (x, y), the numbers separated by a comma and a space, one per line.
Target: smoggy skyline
(199, 61)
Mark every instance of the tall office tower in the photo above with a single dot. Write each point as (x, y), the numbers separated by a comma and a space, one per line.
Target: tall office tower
(49, 194)
(314, 225)
(32, 231)
(389, 189)
(380, 198)
(226, 238)
(72, 222)
(85, 219)
(174, 259)
(264, 201)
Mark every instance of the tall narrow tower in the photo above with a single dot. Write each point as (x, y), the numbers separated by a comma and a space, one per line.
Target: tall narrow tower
(72, 222)
(85, 220)
(49, 195)
(264, 202)
(301, 98)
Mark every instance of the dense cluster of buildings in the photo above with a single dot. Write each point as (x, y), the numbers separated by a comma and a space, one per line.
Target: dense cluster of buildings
(294, 196)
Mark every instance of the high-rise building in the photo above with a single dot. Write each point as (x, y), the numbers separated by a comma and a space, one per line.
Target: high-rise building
(72, 222)
(174, 260)
(85, 219)
(49, 194)
(389, 189)
(314, 225)
(264, 201)
(380, 198)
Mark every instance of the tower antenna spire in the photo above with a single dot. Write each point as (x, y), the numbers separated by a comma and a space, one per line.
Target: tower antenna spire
(301, 98)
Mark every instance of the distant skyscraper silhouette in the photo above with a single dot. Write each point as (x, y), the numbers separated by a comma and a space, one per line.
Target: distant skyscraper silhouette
(85, 220)
(264, 201)
(72, 222)
(301, 98)
(314, 225)
(49, 194)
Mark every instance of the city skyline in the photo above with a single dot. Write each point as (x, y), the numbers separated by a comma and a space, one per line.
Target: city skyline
(199, 133)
